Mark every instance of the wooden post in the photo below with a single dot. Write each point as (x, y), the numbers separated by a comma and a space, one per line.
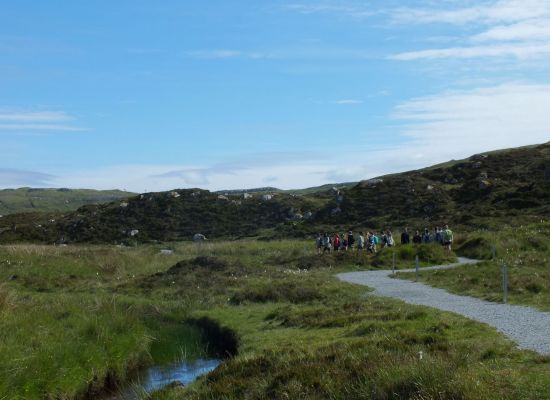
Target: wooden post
(505, 283)
(494, 252)
(393, 268)
(417, 267)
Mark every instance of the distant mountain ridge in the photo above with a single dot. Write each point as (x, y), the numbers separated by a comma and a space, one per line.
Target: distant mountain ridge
(21, 200)
(484, 191)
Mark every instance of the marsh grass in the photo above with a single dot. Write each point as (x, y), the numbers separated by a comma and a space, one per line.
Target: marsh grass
(78, 319)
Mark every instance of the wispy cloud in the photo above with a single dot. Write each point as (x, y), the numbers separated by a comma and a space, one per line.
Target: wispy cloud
(507, 28)
(521, 51)
(486, 12)
(37, 121)
(348, 102)
(347, 9)
(535, 30)
(40, 127)
(495, 117)
(45, 116)
(225, 54)
(10, 178)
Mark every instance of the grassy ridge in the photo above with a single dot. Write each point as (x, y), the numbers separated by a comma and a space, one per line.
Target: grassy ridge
(79, 317)
(524, 249)
(53, 200)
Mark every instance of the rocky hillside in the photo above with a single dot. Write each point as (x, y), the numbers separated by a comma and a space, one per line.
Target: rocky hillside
(13, 201)
(484, 191)
(176, 215)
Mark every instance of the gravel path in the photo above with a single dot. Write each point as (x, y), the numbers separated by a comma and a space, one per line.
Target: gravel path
(529, 328)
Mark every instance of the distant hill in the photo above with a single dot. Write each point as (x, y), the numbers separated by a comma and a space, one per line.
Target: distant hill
(484, 191)
(21, 200)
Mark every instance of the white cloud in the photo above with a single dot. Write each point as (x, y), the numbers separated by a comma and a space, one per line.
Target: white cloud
(460, 123)
(36, 121)
(349, 9)
(486, 12)
(44, 116)
(520, 51)
(508, 28)
(224, 54)
(431, 129)
(532, 30)
(348, 102)
(40, 127)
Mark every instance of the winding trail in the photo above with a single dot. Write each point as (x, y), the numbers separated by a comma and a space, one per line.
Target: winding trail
(528, 327)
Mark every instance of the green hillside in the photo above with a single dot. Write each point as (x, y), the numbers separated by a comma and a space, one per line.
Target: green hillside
(21, 200)
(482, 192)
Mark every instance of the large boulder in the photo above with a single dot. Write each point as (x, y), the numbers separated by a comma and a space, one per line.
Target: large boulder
(199, 237)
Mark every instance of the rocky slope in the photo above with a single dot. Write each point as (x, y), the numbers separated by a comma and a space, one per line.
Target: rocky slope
(484, 191)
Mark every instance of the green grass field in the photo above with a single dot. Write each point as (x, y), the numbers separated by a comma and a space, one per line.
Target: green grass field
(524, 250)
(78, 318)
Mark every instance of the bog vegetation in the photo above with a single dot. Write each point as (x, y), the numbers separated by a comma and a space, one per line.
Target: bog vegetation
(76, 320)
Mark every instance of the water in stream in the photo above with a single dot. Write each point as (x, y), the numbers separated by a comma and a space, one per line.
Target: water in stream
(156, 378)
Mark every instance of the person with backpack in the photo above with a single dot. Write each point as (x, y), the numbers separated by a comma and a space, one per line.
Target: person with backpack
(376, 242)
(417, 238)
(448, 238)
(327, 245)
(351, 240)
(389, 239)
(319, 243)
(426, 237)
(383, 239)
(361, 241)
(438, 235)
(405, 238)
(371, 248)
(336, 242)
(344, 242)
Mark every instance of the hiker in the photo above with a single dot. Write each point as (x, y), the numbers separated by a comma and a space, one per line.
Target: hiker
(405, 238)
(438, 235)
(417, 238)
(426, 238)
(376, 241)
(371, 245)
(336, 242)
(319, 243)
(448, 238)
(327, 245)
(361, 241)
(389, 239)
(351, 240)
(383, 239)
(344, 242)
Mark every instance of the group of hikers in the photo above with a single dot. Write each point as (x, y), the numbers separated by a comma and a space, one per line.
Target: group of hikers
(369, 242)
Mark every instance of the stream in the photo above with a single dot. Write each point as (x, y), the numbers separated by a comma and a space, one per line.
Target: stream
(156, 378)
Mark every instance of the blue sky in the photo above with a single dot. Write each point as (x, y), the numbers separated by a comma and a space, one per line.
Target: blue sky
(148, 96)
